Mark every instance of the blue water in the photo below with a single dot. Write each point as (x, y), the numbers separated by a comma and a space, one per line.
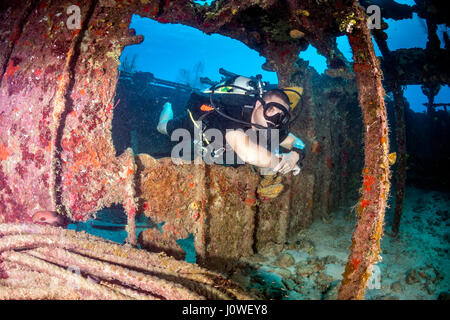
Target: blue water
(110, 223)
(169, 48)
(188, 246)
(203, 2)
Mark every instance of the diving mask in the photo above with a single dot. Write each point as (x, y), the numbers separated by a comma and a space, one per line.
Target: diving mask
(277, 120)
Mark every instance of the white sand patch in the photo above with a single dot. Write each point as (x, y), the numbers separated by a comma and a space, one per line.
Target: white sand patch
(415, 266)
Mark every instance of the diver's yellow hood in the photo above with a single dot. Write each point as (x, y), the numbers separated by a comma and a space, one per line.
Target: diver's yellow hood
(293, 97)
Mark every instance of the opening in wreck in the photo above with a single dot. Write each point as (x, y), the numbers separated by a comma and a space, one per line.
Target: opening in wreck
(228, 214)
(168, 68)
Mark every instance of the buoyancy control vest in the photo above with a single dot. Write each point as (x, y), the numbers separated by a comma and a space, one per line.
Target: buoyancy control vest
(237, 106)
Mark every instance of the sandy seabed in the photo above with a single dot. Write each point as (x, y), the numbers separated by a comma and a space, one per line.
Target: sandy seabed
(415, 266)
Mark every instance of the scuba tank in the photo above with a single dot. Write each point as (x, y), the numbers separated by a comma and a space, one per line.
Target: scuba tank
(242, 93)
(231, 99)
(235, 98)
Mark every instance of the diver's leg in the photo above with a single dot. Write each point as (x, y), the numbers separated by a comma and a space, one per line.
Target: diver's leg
(165, 116)
(183, 123)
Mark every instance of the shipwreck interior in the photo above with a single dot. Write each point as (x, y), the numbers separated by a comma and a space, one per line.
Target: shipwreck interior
(77, 138)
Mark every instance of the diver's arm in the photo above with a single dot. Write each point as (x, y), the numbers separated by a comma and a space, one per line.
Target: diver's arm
(292, 141)
(249, 151)
(288, 142)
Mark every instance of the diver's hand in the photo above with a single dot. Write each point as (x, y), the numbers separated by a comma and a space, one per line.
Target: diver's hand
(288, 163)
(296, 170)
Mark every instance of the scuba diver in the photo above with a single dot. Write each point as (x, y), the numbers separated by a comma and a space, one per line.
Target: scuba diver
(249, 124)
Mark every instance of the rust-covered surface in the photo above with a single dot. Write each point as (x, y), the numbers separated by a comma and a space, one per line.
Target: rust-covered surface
(56, 106)
(57, 95)
(56, 118)
(180, 203)
(44, 262)
(366, 239)
(56, 109)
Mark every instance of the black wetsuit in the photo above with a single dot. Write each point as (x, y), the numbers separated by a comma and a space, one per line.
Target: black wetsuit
(237, 106)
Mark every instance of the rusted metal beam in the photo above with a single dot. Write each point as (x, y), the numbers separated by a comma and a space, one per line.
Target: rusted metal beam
(371, 208)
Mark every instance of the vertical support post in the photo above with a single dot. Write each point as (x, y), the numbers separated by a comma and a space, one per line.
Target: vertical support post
(366, 238)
